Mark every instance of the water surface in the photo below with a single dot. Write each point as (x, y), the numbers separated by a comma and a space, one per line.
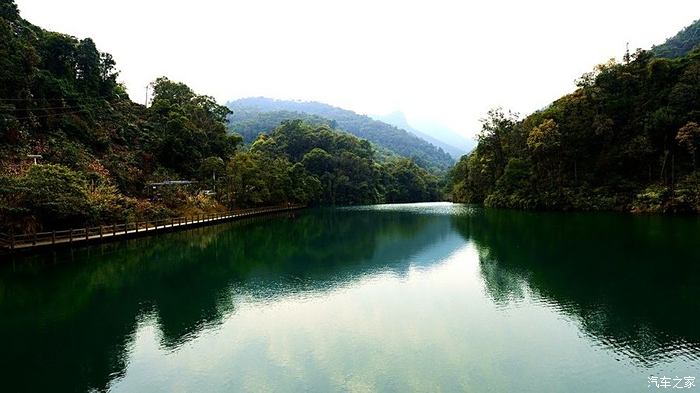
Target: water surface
(424, 297)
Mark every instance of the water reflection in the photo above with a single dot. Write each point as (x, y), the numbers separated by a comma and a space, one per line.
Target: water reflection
(631, 282)
(76, 320)
(72, 320)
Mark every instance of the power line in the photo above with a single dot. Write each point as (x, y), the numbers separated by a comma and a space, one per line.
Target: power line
(50, 115)
(55, 99)
(44, 109)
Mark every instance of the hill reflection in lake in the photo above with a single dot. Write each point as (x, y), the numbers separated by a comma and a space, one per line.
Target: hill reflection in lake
(387, 298)
(631, 281)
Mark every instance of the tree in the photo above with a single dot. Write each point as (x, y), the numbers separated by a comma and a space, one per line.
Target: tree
(321, 164)
(318, 161)
(408, 182)
(688, 137)
(55, 193)
(209, 168)
(604, 146)
(167, 93)
(8, 10)
(61, 100)
(305, 188)
(496, 128)
(545, 138)
(544, 141)
(245, 185)
(88, 69)
(189, 127)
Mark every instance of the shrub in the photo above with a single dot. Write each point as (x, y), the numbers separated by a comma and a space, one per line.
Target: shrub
(55, 194)
(651, 200)
(686, 198)
(106, 204)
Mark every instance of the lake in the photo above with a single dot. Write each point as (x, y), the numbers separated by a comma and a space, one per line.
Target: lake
(391, 298)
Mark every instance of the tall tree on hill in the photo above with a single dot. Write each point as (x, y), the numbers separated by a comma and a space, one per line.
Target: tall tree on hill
(190, 127)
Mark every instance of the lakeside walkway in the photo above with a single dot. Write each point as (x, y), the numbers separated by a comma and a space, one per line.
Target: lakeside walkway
(29, 241)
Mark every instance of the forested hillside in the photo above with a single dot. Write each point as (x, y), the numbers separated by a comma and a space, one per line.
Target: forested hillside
(626, 139)
(328, 166)
(251, 123)
(251, 111)
(98, 152)
(680, 44)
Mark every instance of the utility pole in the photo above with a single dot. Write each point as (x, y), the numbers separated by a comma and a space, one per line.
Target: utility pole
(148, 88)
(35, 157)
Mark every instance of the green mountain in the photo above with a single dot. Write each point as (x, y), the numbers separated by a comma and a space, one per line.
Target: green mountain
(680, 44)
(627, 139)
(251, 114)
(98, 152)
(251, 123)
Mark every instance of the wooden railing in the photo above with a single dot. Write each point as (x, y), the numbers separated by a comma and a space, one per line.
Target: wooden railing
(69, 236)
(5, 240)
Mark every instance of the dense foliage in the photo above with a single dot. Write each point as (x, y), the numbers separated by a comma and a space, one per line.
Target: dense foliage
(100, 152)
(254, 115)
(251, 123)
(626, 139)
(681, 44)
(314, 163)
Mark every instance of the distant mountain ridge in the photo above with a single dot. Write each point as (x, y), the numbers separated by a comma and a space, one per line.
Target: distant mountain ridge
(255, 114)
(440, 136)
(681, 44)
(251, 123)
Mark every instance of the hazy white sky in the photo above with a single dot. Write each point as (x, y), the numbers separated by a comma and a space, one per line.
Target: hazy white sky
(447, 61)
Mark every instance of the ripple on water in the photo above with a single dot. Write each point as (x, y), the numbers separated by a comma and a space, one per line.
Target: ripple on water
(642, 345)
(433, 208)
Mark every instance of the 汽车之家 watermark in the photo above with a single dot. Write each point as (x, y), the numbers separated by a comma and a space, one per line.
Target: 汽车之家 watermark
(671, 383)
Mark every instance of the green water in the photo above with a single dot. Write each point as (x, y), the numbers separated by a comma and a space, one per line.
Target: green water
(425, 297)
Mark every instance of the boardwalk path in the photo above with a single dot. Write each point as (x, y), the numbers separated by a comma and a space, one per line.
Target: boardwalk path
(29, 241)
